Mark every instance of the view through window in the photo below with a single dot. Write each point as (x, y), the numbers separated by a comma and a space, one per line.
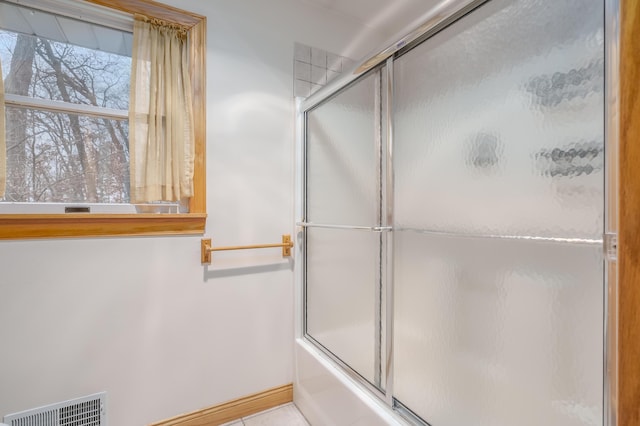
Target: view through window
(67, 97)
(66, 66)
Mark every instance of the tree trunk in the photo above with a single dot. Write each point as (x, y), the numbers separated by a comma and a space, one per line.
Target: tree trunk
(18, 82)
(88, 167)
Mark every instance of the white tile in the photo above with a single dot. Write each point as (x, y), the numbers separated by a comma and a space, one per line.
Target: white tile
(347, 63)
(331, 75)
(334, 62)
(234, 423)
(301, 89)
(315, 88)
(280, 416)
(302, 53)
(318, 75)
(302, 71)
(318, 57)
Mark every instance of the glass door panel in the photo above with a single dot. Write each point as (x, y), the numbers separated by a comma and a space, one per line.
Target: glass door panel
(498, 332)
(343, 206)
(498, 270)
(341, 295)
(499, 123)
(342, 167)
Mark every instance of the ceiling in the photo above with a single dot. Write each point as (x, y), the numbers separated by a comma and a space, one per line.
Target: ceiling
(388, 17)
(380, 21)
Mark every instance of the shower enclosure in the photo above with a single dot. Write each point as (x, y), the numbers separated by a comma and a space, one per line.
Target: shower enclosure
(453, 213)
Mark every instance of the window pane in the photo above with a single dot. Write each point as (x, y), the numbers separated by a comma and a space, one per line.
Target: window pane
(45, 69)
(58, 157)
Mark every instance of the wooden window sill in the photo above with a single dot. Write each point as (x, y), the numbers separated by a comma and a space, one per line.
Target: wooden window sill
(25, 226)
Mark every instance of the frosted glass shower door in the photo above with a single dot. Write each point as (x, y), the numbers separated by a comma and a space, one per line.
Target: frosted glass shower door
(342, 252)
(498, 220)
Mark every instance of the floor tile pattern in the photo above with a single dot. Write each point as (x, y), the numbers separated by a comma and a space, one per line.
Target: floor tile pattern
(282, 415)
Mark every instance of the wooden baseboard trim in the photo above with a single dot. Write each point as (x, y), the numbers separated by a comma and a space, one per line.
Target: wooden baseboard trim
(235, 409)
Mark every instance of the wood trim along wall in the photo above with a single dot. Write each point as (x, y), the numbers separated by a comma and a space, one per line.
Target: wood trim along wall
(628, 404)
(154, 9)
(98, 225)
(235, 409)
(198, 39)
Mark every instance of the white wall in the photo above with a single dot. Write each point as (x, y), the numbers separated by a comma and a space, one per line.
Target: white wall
(140, 317)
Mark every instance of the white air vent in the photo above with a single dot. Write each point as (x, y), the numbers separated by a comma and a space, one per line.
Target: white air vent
(87, 411)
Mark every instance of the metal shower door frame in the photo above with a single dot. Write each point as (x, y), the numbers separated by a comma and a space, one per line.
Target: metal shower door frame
(440, 16)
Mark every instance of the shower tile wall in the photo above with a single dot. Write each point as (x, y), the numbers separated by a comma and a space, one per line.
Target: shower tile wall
(314, 68)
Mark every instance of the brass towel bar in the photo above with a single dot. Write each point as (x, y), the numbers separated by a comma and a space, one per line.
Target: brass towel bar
(206, 249)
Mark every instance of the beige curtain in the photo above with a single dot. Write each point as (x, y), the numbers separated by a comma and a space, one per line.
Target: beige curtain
(161, 136)
(3, 143)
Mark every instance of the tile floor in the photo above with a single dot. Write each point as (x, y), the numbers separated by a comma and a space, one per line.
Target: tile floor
(282, 415)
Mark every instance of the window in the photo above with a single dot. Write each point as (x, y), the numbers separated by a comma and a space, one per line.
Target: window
(66, 97)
